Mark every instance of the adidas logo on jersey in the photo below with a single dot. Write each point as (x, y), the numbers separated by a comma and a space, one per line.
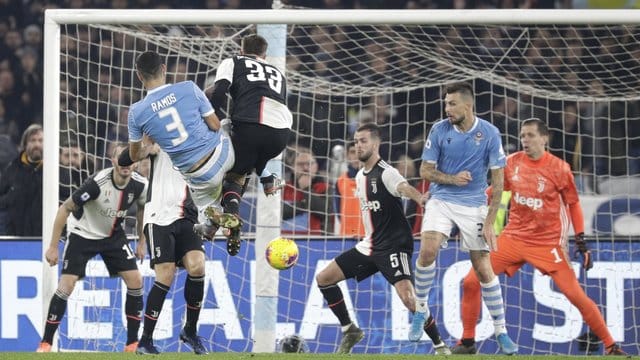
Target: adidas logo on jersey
(370, 205)
(533, 203)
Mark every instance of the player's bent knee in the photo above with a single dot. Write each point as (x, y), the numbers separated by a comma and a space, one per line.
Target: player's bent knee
(196, 268)
(67, 283)
(132, 278)
(324, 279)
(194, 263)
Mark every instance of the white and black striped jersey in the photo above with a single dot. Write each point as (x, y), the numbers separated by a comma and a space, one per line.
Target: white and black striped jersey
(258, 90)
(168, 198)
(103, 206)
(385, 224)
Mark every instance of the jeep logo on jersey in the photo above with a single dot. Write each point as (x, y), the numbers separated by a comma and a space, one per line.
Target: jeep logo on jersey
(113, 213)
(370, 205)
(533, 203)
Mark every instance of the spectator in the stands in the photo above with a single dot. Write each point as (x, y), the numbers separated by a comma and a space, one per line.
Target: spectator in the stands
(21, 186)
(347, 205)
(306, 204)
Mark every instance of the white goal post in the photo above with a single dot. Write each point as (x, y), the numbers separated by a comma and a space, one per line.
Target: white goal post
(408, 38)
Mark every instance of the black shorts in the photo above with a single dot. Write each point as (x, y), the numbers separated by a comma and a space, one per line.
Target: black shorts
(255, 144)
(169, 244)
(115, 252)
(394, 265)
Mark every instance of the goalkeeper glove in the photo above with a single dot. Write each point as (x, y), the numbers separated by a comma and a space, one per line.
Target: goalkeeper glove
(583, 251)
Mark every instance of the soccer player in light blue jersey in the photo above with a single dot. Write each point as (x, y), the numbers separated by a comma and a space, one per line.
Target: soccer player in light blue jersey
(180, 119)
(458, 153)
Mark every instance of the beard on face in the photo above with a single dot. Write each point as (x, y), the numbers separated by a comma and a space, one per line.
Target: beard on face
(458, 120)
(35, 154)
(365, 156)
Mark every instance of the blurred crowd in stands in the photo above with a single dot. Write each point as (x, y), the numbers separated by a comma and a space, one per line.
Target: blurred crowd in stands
(582, 129)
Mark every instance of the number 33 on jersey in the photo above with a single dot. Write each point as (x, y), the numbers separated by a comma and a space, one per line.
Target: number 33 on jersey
(258, 89)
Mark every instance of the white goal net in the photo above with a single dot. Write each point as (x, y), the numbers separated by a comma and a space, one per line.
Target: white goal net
(581, 78)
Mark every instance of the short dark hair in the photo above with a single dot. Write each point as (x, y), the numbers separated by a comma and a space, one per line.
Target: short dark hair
(540, 125)
(372, 128)
(254, 44)
(464, 88)
(149, 64)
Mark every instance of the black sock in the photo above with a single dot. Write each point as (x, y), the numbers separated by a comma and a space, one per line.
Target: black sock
(155, 299)
(432, 331)
(231, 196)
(133, 310)
(193, 294)
(468, 342)
(57, 307)
(335, 299)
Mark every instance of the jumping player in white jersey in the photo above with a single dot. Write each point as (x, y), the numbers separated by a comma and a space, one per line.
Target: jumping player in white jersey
(94, 215)
(180, 119)
(387, 246)
(260, 119)
(458, 153)
(168, 227)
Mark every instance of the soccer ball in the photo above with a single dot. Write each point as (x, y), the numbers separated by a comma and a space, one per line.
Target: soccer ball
(293, 344)
(281, 253)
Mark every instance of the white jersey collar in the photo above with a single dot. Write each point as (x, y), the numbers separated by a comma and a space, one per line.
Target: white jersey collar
(475, 124)
(157, 89)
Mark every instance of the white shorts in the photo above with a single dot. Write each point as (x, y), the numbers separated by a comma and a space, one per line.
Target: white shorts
(205, 183)
(440, 216)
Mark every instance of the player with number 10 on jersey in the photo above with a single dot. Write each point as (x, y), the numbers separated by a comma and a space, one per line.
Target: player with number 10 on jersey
(180, 119)
(260, 121)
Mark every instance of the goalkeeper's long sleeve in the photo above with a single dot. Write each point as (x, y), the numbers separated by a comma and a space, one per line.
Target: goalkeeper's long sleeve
(577, 217)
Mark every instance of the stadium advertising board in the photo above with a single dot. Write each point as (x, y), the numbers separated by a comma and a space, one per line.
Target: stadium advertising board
(540, 319)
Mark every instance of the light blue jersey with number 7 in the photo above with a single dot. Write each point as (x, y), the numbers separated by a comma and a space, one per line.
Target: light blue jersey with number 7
(172, 115)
